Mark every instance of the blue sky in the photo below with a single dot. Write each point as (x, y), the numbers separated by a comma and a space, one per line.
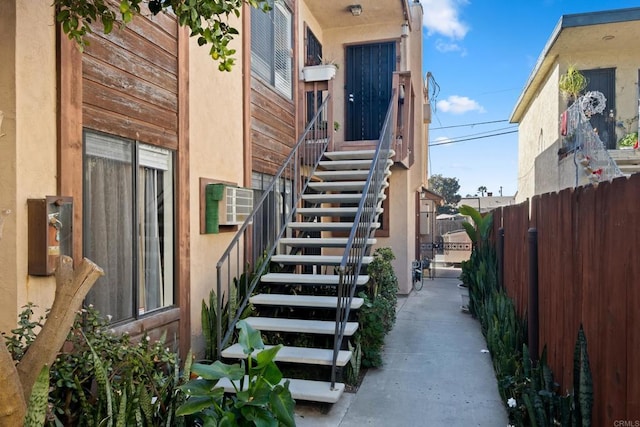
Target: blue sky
(480, 54)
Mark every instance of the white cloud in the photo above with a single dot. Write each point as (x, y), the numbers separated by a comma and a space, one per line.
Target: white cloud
(459, 105)
(442, 17)
(445, 47)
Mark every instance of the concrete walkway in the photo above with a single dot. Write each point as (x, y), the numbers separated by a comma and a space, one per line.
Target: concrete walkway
(436, 370)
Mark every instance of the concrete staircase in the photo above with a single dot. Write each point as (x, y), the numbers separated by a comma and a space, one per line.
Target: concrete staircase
(627, 160)
(336, 189)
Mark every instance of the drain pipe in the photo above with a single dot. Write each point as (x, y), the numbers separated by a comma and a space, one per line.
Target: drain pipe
(533, 326)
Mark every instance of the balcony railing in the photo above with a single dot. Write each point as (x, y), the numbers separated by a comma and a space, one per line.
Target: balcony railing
(362, 230)
(245, 260)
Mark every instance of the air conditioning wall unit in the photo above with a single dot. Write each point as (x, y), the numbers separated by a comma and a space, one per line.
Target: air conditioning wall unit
(226, 205)
(236, 205)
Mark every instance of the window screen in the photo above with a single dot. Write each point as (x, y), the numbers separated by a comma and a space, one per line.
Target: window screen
(271, 47)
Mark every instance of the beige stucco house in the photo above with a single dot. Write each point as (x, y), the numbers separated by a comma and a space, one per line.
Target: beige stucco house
(603, 46)
(134, 129)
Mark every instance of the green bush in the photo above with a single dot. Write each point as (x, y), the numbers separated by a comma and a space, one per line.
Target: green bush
(259, 398)
(528, 389)
(378, 313)
(103, 378)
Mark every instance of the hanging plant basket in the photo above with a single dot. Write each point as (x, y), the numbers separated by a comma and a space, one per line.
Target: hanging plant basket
(318, 73)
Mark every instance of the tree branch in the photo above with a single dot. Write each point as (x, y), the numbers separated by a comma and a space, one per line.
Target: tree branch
(71, 288)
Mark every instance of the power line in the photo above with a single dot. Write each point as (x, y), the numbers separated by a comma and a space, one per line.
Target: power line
(492, 131)
(453, 141)
(469, 124)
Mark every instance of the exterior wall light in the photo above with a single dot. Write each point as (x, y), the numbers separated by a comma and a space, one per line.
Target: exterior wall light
(355, 9)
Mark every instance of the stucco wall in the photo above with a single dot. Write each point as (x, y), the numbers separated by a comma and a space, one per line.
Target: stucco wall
(401, 227)
(403, 183)
(546, 170)
(216, 152)
(28, 100)
(539, 126)
(538, 130)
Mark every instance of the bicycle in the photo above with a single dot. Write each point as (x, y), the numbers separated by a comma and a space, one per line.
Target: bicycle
(416, 275)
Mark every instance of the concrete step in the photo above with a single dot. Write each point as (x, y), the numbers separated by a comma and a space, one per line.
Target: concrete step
(326, 226)
(308, 279)
(350, 175)
(331, 211)
(336, 198)
(353, 155)
(303, 355)
(314, 259)
(337, 186)
(348, 164)
(332, 197)
(315, 242)
(299, 326)
(313, 391)
(345, 164)
(316, 301)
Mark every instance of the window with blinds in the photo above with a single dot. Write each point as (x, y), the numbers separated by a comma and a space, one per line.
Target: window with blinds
(271, 47)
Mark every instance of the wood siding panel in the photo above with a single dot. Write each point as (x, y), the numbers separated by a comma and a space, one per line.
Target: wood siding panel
(588, 274)
(121, 125)
(147, 51)
(117, 79)
(108, 99)
(272, 128)
(130, 64)
(135, 85)
(130, 85)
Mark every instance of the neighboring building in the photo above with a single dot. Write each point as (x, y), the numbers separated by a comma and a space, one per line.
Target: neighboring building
(487, 203)
(603, 46)
(134, 128)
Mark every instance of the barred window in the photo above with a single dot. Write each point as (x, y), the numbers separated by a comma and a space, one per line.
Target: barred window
(313, 49)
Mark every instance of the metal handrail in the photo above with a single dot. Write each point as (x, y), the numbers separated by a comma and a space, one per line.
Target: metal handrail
(257, 238)
(361, 231)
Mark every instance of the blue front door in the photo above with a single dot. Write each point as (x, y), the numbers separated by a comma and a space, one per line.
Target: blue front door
(369, 73)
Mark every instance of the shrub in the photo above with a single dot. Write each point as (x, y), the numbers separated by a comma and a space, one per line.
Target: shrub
(378, 313)
(528, 389)
(101, 377)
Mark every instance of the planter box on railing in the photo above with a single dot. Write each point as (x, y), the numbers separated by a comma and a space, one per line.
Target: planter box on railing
(317, 73)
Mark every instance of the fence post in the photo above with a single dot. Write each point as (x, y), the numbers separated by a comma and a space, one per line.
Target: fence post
(501, 257)
(533, 326)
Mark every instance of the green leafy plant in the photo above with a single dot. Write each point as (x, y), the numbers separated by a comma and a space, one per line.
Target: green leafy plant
(479, 273)
(259, 398)
(572, 82)
(378, 313)
(37, 406)
(208, 20)
(23, 335)
(355, 363)
(528, 389)
(104, 378)
(582, 380)
(629, 140)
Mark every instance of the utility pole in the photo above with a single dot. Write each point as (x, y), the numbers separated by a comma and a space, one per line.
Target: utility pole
(501, 191)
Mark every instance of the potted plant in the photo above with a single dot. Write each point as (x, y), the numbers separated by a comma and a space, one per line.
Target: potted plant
(572, 83)
(324, 71)
(629, 139)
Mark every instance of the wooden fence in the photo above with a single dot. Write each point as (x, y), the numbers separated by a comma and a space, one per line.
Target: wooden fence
(588, 272)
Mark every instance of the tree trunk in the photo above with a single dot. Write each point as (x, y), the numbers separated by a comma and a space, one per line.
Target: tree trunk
(71, 288)
(12, 403)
